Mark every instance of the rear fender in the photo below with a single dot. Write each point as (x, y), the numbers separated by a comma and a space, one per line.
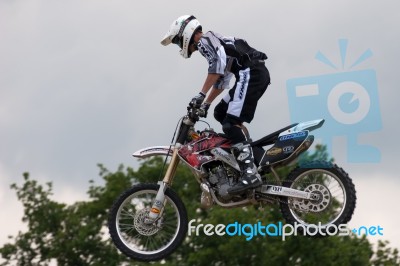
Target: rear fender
(309, 125)
(153, 151)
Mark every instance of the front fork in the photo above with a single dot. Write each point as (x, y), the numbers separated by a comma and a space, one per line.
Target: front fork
(158, 205)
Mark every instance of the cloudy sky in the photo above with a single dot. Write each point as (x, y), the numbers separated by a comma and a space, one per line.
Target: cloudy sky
(87, 82)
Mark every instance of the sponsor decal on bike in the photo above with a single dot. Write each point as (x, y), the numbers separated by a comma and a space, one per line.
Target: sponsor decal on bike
(204, 158)
(274, 151)
(155, 149)
(293, 136)
(143, 153)
(288, 149)
(276, 188)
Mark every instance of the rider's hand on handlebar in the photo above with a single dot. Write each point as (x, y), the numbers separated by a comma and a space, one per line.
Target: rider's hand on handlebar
(197, 100)
(203, 110)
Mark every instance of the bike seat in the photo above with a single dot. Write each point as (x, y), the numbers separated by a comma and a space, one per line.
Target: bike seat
(271, 138)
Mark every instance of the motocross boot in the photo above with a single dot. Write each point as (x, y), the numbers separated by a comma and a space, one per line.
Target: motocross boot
(250, 177)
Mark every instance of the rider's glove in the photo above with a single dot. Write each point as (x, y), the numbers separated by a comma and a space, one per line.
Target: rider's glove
(204, 109)
(197, 100)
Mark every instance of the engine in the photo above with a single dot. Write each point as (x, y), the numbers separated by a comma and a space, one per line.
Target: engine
(220, 180)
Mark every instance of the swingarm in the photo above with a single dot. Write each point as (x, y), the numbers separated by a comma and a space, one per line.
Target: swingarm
(288, 192)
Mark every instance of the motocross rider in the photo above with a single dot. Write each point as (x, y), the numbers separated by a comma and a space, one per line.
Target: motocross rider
(227, 57)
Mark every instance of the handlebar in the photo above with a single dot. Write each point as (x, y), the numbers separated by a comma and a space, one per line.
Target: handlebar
(194, 114)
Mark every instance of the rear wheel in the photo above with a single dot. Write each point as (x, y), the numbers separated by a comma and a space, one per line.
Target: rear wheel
(141, 241)
(334, 202)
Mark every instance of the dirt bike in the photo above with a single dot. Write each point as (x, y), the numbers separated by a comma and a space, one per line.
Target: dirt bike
(149, 221)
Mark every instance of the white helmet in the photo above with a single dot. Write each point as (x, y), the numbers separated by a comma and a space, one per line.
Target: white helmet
(181, 33)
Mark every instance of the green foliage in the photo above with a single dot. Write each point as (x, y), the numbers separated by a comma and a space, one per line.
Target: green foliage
(320, 154)
(385, 255)
(71, 235)
(77, 235)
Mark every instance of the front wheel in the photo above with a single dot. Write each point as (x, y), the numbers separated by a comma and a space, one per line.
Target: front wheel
(141, 241)
(334, 198)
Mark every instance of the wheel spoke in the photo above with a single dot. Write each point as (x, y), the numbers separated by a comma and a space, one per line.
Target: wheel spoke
(331, 197)
(141, 237)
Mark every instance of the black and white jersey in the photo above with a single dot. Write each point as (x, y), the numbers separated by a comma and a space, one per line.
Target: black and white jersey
(218, 61)
(227, 56)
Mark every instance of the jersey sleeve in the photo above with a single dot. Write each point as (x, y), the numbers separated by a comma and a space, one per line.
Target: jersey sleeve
(223, 81)
(210, 47)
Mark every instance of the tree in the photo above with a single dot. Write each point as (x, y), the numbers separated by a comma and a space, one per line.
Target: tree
(77, 235)
(70, 235)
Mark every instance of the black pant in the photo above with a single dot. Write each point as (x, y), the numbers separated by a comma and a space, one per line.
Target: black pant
(239, 105)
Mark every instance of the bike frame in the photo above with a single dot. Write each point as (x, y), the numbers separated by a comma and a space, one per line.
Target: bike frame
(188, 122)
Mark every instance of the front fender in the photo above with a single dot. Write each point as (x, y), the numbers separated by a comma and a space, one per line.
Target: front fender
(152, 151)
